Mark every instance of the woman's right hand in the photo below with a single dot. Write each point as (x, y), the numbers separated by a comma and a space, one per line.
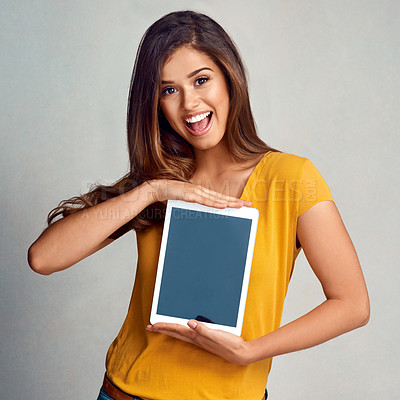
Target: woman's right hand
(75, 237)
(165, 189)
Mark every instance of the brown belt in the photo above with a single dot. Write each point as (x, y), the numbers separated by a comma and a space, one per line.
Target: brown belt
(115, 393)
(118, 394)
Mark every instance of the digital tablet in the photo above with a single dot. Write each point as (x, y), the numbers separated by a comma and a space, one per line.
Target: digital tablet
(204, 265)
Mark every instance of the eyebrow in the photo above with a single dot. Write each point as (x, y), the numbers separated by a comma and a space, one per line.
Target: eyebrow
(192, 74)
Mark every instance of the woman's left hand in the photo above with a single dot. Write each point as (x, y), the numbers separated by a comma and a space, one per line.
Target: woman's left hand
(224, 344)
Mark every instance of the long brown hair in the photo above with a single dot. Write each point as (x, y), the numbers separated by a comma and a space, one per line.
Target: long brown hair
(156, 151)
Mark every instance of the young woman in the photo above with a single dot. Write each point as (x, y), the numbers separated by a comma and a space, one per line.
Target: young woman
(192, 137)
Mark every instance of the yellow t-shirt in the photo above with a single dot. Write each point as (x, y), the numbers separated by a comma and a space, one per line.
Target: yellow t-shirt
(154, 366)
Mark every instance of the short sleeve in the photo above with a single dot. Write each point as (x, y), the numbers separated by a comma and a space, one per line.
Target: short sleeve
(312, 188)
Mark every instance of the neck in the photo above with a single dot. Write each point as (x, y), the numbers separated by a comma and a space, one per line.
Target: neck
(212, 162)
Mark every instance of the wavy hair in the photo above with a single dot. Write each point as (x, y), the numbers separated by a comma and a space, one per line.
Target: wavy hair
(156, 151)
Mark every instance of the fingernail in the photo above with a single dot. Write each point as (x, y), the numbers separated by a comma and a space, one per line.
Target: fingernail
(192, 324)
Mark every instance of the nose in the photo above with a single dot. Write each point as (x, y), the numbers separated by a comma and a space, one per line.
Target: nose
(190, 99)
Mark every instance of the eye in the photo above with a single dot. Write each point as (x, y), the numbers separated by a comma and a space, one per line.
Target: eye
(168, 90)
(202, 80)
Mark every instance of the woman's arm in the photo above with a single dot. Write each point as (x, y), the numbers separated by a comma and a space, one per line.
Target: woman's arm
(333, 259)
(331, 255)
(73, 238)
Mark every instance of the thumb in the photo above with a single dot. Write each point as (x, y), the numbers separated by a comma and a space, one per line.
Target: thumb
(198, 327)
(193, 324)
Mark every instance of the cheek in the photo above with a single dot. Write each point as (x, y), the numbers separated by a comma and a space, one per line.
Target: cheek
(221, 98)
(224, 104)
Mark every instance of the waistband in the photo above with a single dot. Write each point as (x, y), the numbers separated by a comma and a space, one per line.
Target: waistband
(115, 392)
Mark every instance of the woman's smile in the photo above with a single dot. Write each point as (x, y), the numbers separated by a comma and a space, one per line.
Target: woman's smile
(195, 98)
(200, 123)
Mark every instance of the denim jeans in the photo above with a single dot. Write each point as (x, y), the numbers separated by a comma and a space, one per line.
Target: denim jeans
(104, 396)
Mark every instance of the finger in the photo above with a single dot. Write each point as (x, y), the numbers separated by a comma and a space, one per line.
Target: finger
(203, 195)
(200, 194)
(199, 335)
(173, 330)
(229, 200)
(221, 201)
(213, 335)
(206, 200)
(220, 196)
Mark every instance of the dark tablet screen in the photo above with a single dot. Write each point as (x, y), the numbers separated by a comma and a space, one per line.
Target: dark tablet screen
(204, 266)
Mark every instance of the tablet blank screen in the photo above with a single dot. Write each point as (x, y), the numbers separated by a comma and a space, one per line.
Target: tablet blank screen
(204, 266)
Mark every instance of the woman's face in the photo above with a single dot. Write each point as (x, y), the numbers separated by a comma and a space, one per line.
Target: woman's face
(195, 98)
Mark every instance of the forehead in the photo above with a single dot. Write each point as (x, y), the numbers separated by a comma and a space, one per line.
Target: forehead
(185, 60)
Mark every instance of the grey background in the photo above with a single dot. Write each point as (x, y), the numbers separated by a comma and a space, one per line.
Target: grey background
(324, 84)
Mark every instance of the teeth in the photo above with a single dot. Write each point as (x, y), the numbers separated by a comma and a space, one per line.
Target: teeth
(197, 118)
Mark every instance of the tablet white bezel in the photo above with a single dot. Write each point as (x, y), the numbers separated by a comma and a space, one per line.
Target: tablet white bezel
(244, 212)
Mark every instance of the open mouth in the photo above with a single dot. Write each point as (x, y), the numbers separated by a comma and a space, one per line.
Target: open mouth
(200, 124)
